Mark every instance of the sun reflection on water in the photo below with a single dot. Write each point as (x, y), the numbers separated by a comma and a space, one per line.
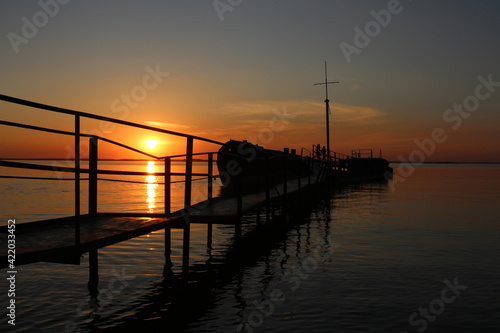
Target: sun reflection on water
(151, 186)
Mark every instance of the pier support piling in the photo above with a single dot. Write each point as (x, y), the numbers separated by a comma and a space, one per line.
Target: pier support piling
(268, 190)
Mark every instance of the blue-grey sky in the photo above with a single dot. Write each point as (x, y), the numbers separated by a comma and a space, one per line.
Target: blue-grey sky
(226, 65)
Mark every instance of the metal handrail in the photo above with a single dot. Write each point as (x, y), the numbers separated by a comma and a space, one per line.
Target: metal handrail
(51, 130)
(94, 116)
(358, 153)
(302, 152)
(30, 166)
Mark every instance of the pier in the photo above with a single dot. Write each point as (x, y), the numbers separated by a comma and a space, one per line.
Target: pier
(65, 240)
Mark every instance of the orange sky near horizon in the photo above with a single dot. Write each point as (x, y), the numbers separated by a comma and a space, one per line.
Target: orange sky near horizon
(296, 125)
(178, 66)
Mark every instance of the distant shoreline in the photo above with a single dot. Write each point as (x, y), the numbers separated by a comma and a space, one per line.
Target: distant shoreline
(441, 162)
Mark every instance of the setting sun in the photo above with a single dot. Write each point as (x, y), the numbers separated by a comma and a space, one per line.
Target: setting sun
(151, 144)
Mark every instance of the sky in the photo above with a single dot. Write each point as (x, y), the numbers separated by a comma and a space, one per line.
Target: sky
(418, 80)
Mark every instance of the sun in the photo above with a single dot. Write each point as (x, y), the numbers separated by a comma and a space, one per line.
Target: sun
(151, 144)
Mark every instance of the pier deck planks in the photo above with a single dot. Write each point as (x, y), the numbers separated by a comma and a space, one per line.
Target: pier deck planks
(54, 239)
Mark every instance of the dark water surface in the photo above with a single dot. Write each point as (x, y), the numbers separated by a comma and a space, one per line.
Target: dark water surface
(410, 256)
(399, 246)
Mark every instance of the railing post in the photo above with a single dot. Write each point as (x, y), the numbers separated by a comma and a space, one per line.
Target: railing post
(210, 175)
(189, 172)
(268, 189)
(77, 179)
(187, 203)
(167, 180)
(93, 161)
(210, 194)
(167, 200)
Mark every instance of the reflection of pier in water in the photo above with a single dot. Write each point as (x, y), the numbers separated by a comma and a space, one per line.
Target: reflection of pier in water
(280, 251)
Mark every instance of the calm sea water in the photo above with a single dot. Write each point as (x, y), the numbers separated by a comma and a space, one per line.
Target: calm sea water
(412, 256)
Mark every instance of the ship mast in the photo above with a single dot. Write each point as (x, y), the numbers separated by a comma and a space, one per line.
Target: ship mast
(327, 102)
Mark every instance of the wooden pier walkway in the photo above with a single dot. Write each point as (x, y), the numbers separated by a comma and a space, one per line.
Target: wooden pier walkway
(54, 240)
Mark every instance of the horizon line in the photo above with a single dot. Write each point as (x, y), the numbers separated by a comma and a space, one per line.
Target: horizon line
(201, 159)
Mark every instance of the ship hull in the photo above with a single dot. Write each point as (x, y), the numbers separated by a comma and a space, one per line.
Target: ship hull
(252, 166)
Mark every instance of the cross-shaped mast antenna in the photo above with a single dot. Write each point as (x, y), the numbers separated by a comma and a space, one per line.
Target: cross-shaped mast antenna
(327, 102)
